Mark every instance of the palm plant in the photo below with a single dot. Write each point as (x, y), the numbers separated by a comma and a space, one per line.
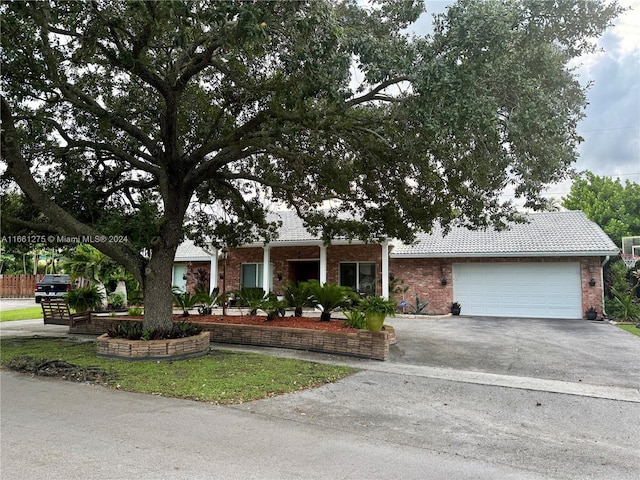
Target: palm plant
(297, 296)
(208, 300)
(328, 297)
(87, 262)
(628, 310)
(84, 298)
(254, 298)
(185, 300)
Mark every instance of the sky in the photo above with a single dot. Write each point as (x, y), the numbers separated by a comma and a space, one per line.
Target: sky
(611, 128)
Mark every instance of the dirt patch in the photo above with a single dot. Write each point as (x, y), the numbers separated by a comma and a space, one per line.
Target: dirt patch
(291, 322)
(57, 369)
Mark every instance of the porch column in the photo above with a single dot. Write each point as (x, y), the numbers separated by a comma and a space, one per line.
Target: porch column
(385, 269)
(323, 264)
(213, 273)
(266, 271)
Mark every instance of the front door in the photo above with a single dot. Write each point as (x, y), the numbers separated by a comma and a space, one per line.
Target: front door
(305, 270)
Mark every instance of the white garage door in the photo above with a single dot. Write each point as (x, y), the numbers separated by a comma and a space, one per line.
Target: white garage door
(538, 290)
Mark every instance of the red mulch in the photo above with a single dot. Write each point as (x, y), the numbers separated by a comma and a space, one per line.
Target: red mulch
(290, 321)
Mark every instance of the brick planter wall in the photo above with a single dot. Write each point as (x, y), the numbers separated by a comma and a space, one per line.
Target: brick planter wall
(361, 343)
(174, 348)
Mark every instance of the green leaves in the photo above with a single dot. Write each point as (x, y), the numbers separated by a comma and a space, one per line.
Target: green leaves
(613, 205)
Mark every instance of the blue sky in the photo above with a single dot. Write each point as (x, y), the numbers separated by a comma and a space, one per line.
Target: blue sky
(611, 128)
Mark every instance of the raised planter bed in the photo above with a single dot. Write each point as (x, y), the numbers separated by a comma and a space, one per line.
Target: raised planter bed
(171, 349)
(359, 343)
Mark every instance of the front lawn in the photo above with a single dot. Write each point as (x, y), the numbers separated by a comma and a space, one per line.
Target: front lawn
(28, 313)
(220, 377)
(631, 328)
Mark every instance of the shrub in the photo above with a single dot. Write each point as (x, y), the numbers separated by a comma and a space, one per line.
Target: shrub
(136, 331)
(84, 298)
(627, 310)
(378, 305)
(117, 299)
(253, 298)
(328, 297)
(185, 301)
(297, 296)
(355, 318)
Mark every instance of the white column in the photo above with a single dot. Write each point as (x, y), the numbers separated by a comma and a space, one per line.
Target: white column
(266, 271)
(323, 264)
(385, 269)
(213, 273)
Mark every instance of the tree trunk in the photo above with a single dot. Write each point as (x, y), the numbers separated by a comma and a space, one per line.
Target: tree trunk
(158, 298)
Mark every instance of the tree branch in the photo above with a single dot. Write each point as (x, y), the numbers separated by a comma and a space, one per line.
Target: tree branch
(375, 93)
(18, 169)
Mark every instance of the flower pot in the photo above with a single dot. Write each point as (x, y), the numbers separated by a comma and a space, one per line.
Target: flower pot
(455, 311)
(375, 321)
(592, 315)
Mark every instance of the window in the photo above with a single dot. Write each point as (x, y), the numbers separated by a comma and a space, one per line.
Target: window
(251, 275)
(360, 276)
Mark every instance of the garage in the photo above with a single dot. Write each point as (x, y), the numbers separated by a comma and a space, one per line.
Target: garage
(510, 289)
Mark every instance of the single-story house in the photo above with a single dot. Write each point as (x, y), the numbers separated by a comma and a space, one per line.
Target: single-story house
(550, 267)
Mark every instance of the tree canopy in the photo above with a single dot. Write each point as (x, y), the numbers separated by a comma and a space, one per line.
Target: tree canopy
(195, 116)
(613, 205)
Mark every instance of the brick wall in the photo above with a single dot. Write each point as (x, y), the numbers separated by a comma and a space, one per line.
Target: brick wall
(361, 343)
(283, 258)
(423, 276)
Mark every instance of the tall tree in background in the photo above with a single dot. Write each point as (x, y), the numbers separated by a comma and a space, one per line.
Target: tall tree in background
(613, 205)
(193, 116)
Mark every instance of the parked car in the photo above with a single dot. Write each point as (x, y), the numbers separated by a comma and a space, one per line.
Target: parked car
(52, 286)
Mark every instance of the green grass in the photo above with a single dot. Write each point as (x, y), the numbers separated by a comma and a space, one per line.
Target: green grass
(631, 328)
(21, 314)
(219, 377)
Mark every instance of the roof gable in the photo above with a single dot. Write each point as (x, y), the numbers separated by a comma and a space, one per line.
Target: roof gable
(188, 252)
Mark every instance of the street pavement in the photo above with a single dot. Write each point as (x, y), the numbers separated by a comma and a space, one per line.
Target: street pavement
(460, 398)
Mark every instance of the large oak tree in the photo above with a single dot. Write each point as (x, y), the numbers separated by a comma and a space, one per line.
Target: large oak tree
(194, 116)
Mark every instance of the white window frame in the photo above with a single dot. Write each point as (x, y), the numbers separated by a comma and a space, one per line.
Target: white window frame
(358, 264)
(258, 279)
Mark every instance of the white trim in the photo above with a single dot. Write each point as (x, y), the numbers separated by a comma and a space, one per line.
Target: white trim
(323, 264)
(213, 271)
(266, 271)
(385, 270)
(502, 254)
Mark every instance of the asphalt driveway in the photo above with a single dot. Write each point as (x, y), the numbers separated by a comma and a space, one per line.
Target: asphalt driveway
(566, 350)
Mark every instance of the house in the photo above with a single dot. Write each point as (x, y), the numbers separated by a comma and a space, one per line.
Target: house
(192, 266)
(550, 267)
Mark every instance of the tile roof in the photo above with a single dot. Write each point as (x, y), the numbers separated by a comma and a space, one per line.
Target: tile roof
(189, 252)
(546, 234)
(292, 229)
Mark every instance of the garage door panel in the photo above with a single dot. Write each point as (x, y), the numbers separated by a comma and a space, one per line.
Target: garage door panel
(519, 289)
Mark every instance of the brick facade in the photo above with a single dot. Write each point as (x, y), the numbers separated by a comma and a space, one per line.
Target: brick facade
(284, 260)
(421, 276)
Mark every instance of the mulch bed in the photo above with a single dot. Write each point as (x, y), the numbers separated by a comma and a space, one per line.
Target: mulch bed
(291, 322)
(57, 369)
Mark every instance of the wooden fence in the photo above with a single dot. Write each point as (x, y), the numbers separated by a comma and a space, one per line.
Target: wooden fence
(18, 286)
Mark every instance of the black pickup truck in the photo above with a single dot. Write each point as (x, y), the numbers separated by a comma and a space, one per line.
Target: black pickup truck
(52, 286)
